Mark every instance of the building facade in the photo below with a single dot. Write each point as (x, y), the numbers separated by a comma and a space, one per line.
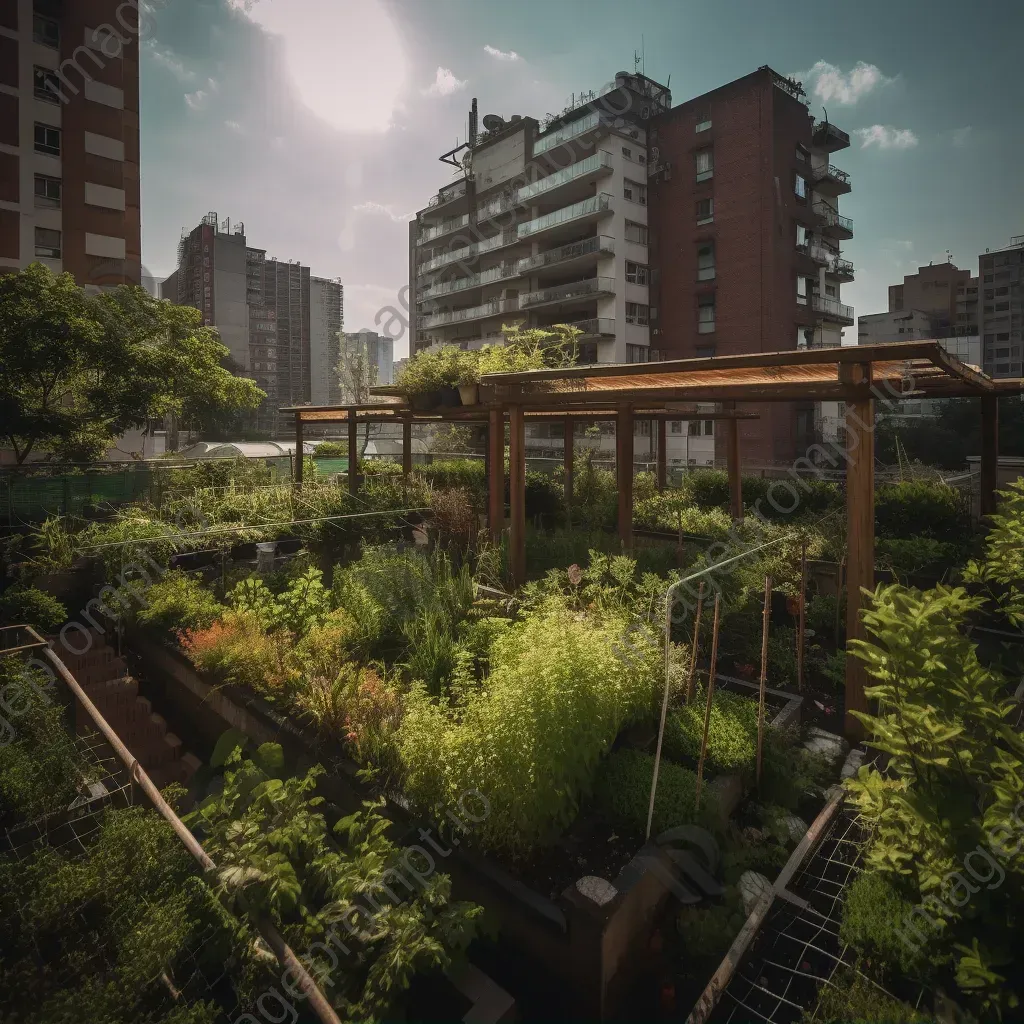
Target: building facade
(69, 139)
(746, 239)
(267, 312)
(372, 362)
(1002, 308)
(948, 295)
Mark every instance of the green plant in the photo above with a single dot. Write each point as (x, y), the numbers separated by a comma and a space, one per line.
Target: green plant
(238, 649)
(624, 793)
(917, 555)
(821, 616)
(1001, 570)
(790, 773)
(179, 601)
(851, 998)
(31, 607)
(707, 932)
(875, 920)
(919, 508)
(445, 367)
(332, 450)
(732, 732)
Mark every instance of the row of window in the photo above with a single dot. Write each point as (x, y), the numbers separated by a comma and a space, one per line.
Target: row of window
(640, 158)
(48, 243)
(634, 191)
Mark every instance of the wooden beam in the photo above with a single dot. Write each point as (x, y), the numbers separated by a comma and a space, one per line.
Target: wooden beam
(568, 458)
(297, 466)
(732, 462)
(496, 474)
(624, 474)
(406, 447)
(860, 528)
(353, 457)
(662, 454)
(989, 454)
(517, 493)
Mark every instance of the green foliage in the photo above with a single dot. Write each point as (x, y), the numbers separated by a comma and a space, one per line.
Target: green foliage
(531, 349)
(457, 474)
(276, 856)
(674, 510)
(1001, 570)
(332, 450)
(180, 601)
(791, 774)
(877, 922)
(954, 781)
(624, 793)
(707, 932)
(305, 603)
(732, 732)
(917, 555)
(27, 606)
(561, 687)
(707, 488)
(447, 366)
(595, 496)
(851, 998)
(821, 616)
(919, 508)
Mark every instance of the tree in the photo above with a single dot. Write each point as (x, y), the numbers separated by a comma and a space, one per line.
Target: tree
(357, 373)
(77, 371)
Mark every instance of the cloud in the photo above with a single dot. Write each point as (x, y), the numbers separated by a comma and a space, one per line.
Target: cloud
(497, 54)
(197, 100)
(445, 83)
(170, 61)
(961, 136)
(827, 82)
(386, 209)
(234, 126)
(884, 136)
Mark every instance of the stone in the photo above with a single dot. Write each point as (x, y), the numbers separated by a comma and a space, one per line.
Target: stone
(854, 760)
(796, 828)
(820, 741)
(597, 890)
(752, 886)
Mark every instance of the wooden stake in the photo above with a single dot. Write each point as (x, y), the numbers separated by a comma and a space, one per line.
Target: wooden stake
(802, 617)
(764, 672)
(696, 644)
(707, 708)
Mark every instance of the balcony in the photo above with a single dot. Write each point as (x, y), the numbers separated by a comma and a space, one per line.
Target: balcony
(461, 284)
(828, 137)
(843, 269)
(500, 204)
(596, 327)
(588, 288)
(820, 253)
(567, 253)
(492, 308)
(595, 206)
(467, 252)
(593, 167)
(832, 309)
(446, 227)
(834, 222)
(448, 195)
(829, 180)
(573, 130)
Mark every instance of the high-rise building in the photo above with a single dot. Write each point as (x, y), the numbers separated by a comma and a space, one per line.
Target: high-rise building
(1002, 308)
(746, 238)
(948, 295)
(69, 139)
(370, 357)
(268, 313)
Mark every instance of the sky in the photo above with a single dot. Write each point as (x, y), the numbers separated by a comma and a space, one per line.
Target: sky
(319, 123)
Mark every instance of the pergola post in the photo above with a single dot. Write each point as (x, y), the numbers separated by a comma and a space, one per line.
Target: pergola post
(624, 474)
(860, 528)
(297, 465)
(353, 457)
(496, 474)
(662, 454)
(568, 457)
(732, 462)
(517, 493)
(989, 453)
(406, 448)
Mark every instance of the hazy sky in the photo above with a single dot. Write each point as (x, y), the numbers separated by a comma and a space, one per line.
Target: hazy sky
(319, 122)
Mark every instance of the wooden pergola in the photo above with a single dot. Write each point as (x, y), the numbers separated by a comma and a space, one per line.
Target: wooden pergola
(855, 375)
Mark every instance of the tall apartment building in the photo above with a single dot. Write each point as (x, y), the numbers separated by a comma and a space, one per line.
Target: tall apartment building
(746, 239)
(330, 385)
(948, 295)
(1002, 308)
(69, 139)
(268, 313)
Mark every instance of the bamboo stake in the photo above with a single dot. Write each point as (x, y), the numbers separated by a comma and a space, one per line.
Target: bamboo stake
(707, 709)
(802, 617)
(764, 672)
(696, 643)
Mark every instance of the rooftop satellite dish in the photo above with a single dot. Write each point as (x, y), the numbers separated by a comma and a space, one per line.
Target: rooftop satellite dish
(492, 122)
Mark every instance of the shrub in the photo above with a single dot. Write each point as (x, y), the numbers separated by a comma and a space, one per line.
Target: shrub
(327, 645)
(876, 919)
(444, 367)
(457, 474)
(237, 649)
(707, 488)
(372, 720)
(821, 616)
(790, 773)
(917, 555)
(304, 603)
(624, 793)
(545, 498)
(380, 467)
(560, 689)
(1002, 568)
(732, 732)
(332, 450)
(708, 932)
(456, 520)
(919, 508)
(595, 496)
(27, 606)
(180, 601)
(851, 998)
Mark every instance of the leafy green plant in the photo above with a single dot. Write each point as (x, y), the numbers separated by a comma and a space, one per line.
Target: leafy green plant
(238, 649)
(851, 998)
(28, 606)
(732, 732)
(875, 921)
(919, 508)
(821, 616)
(180, 601)
(331, 450)
(1001, 570)
(707, 932)
(445, 367)
(917, 555)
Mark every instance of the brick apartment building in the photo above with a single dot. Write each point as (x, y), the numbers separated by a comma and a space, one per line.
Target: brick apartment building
(69, 139)
(745, 239)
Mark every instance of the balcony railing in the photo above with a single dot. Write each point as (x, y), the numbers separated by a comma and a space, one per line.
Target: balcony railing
(500, 204)
(567, 132)
(565, 292)
(829, 137)
(821, 253)
(833, 219)
(564, 253)
(600, 203)
(832, 308)
(841, 267)
(466, 252)
(492, 308)
(461, 284)
(831, 171)
(595, 162)
(449, 194)
(444, 228)
(596, 327)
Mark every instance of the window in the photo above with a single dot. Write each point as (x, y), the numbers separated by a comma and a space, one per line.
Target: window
(637, 313)
(675, 427)
(705, 211)
(705, 314)
(48, 243)
(47, 191)
(634, 191)
(627, 152)
(705, 162)
(1001, 306)
(703, 122)
(636, 232)
(988, 279)
(706, 263)
(830, 289)
(693, 428)
(709, 428)
(46, 85)
(636, 273)
(800, 186)
(47, 139)
(1002, 291)
(801, 236)
(801, 290)
(801, 153)
(637, 353)
(641, 159)
(45, 31)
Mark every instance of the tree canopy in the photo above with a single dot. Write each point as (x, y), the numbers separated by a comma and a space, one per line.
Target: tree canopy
(77, 370)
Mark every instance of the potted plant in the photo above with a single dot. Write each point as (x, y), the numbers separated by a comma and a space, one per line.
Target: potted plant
(433, 378)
